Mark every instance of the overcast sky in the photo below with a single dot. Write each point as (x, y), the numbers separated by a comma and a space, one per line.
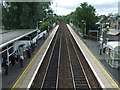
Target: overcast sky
(65, 7)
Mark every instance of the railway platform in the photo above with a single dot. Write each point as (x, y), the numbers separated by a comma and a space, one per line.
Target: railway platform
(104, 79)
(27, 73)
(94, 47)
(15, 71)
(27, 77)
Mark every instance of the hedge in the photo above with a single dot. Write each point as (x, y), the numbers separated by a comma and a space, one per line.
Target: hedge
(44, 26)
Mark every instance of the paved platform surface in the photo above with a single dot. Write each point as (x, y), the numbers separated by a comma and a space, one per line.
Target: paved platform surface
(27, 75)
(15, 72)
(94, 47)
(99, 70)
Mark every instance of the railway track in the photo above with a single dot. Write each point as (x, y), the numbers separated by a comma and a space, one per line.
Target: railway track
(80, 78)
(50, 77)
(62, 66)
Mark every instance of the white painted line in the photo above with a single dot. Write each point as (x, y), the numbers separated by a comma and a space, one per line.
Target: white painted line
(30, 83)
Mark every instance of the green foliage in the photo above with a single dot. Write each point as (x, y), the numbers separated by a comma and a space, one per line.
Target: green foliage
(87, 13)
(82, 31)
(104, 17)
(83, 12)
(24, 15)
(118, 16)
(44, 26)
(51, 19)
(106, 30)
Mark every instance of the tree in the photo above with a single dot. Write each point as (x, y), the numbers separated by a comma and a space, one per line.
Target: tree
(87, 13)
(23, 15)
(44, 26)
(84, 12)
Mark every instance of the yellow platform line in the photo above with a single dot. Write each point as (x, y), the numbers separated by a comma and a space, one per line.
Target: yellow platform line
(111, 79)
(28, 65)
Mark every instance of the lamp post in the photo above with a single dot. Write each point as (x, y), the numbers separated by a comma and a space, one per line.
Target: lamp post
(101, 36)
(84, 22)
(107, 40)
(101, 39)
(118, 22)
(38, 24)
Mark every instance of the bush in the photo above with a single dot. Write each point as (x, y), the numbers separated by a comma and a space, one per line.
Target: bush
(44, 26)
(82, 31)
(106, 30)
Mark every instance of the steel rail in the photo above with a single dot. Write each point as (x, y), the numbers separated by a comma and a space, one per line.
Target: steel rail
(49, 62)
(80, 63)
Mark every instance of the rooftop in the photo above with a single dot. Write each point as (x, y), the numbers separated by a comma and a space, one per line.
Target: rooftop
(113, 44)
(113, 32)
(10, 36)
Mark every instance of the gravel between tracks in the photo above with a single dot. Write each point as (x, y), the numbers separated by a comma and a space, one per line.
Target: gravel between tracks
(66, 64)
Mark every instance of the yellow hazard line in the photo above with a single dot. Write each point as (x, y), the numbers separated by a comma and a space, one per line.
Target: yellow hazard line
(110, 78)
(28, 65)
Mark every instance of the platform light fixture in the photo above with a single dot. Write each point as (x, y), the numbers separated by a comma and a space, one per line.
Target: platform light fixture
(84, 22)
